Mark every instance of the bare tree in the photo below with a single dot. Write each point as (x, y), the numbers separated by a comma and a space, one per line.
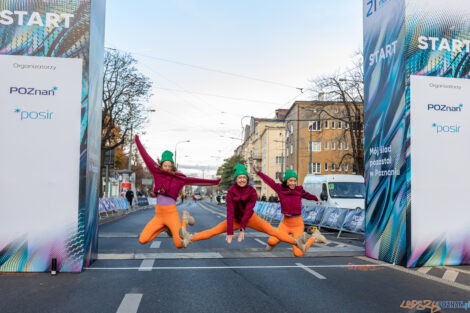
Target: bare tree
(347, 89)
(125, 94)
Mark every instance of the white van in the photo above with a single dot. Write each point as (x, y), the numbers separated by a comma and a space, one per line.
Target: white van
(341, 191)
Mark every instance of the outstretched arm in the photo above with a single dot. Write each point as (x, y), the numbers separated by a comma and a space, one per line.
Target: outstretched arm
(308, 196)
(149, 162)
(269, 181)
(230, 215)
(199, 181)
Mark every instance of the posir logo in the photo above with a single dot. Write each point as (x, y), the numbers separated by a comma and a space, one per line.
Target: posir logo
(445, 108)
(33, 115)
(31, 91)
(447, 129)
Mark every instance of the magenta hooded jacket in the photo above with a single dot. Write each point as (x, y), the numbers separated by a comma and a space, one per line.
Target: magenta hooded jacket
(167, 183)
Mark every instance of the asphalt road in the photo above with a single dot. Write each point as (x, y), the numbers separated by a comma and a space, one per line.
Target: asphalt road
(212, 276)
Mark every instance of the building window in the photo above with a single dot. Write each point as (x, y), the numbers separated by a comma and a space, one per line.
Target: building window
(292, 167)
(346, 167)
(340, 145)
(333, 124)
(279, 160)
(287, 151)
(326, 145)
(340, 124)
(291, 149)
(314, 126)
(336, 110)
(326, 167)
(346, 145)
(332, 167)
(327, 124)
(333, 145)
(315, 168)
(291, 128)
(278, 175)
(339, 167)
(315, 146)
(346, 125)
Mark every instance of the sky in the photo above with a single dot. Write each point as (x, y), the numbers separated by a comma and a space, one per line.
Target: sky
(213, 62)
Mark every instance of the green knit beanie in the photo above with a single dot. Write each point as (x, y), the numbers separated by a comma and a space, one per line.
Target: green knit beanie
(167, 156)
(240, 169)
(289, 174)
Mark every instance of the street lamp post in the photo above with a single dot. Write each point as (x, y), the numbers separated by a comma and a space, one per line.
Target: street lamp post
(177, 146)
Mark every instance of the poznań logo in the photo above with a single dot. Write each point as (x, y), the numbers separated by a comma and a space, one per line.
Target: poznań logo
(31, 91)
(445, 108)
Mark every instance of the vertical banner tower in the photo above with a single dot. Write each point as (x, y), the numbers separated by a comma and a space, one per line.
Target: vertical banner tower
(417, 130)
(51, 59)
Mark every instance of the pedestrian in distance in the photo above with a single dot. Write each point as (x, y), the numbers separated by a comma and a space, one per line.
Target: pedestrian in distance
(130, 196)
(263, 198)
(241, 199)
(290, 196)
(168, 184)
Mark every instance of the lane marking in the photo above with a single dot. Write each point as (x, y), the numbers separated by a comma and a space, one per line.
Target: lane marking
(146, 265)
(212, 211)
(261, 242)
(243, 267)
(156, 245)
(450, 275)
(130, 303)
(316, 274)
(424, 270)
(416, 273)
(457, 269)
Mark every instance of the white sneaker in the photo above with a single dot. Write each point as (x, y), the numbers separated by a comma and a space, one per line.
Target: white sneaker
(186, 237)
(300, 244)
(319, 237)
(188, 218)
(269, 247)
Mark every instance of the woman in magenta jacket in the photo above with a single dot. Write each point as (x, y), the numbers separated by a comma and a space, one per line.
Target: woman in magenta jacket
(168, 184)
(290, 196)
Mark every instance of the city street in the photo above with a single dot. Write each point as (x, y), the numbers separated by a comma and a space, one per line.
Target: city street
(212, 276)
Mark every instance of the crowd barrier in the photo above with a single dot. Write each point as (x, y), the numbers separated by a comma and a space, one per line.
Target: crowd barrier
(341, 219)
(142, 201)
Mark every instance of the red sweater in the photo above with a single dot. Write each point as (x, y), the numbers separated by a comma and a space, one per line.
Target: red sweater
(240, 204)
(168, 183)
(291, 199)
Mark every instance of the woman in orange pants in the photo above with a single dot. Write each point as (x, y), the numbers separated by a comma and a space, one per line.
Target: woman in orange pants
(241, 199)
(290, 196)
(168, 184)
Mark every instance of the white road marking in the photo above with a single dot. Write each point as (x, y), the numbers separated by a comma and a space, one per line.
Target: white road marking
(457, 269)
(242, 267)
(261, 242)
(146, 265)
(416, 273)
(155, 244)
(212, 211)
(316, 274)
(450, 275)
(424, 269)
(130, 303)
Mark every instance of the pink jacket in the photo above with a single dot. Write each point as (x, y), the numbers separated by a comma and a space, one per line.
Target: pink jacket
(167, 183)
(291, 199)
(240, 204)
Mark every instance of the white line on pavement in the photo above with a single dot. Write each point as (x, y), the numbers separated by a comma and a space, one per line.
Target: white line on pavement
(261, 242)
(242, 267)
(155, 244)
(130, 303)
(450, 275)
(457, 269)
(316, 274)
(146, 265)
(212, 211)
(417, 273)
(424, 270)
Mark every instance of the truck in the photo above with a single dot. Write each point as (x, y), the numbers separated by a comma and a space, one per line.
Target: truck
(341, 190)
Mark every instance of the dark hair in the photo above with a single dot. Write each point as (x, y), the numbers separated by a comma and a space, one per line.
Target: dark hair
(174, 170)
(284, 184)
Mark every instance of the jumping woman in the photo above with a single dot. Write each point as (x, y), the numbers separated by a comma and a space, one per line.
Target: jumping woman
(241, 199)
(168, 184)
(290, 196)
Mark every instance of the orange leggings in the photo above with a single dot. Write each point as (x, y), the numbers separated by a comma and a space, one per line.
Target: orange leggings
(165, 216)
(254, 222)
(292, 225)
